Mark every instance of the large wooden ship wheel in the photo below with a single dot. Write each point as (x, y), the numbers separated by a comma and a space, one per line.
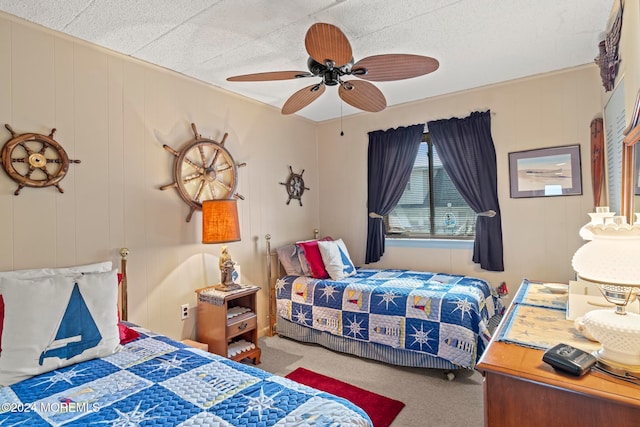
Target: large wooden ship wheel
(34, 160)
(203, 170)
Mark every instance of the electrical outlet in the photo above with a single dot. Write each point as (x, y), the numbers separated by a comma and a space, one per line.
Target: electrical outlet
(184, 311)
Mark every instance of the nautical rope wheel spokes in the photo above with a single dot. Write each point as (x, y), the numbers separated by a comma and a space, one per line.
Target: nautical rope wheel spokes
(203, 170)
(295, 186)
(35, 160)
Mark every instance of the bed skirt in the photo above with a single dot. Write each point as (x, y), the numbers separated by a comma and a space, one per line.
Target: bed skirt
(369, 350)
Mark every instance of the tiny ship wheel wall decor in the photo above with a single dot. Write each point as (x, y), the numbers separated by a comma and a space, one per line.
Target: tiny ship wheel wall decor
(203, 169)
(34, 160)
(295, 186)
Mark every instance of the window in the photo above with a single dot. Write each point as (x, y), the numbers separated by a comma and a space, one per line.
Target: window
(430, 206)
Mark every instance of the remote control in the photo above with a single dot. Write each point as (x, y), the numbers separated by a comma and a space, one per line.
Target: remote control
(569, 359)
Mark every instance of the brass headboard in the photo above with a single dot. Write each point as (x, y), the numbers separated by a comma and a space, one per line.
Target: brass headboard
(272, 289)
(122, 294)
(272, 282)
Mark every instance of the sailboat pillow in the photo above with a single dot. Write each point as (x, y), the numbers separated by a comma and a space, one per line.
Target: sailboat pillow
(55, 321)
(42, 272)
(336, 259)
(126, 333)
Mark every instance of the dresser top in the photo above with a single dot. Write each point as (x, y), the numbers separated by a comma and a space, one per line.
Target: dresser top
(526, 363)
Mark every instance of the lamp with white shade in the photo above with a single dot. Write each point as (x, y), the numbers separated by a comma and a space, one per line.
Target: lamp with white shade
(601, 214)
(611, 260)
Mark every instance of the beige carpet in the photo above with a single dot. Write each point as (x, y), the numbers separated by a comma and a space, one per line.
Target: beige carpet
(430, 399)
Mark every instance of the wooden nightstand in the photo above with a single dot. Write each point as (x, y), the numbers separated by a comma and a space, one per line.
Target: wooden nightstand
(228, 323)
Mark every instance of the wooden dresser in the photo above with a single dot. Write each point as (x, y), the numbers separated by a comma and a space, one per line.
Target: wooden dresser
(228, 318)
(522, 390)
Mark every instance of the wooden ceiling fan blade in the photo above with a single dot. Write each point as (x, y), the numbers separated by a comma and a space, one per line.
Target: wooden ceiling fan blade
(327, 42)
(362, 95)
(271, 75)
(302, 98)
(394, 66)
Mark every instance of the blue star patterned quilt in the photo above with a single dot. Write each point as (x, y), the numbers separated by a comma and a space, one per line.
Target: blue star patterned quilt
(442, 315)
(157, 381)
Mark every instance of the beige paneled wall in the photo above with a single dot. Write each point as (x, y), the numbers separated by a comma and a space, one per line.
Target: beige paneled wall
(114, 114)
(540, 234)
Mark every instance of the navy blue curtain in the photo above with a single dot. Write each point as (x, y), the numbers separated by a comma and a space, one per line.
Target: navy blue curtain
(391, 157)
(468, 155)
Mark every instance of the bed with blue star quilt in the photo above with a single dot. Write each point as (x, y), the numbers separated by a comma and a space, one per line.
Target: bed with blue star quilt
(154, 380)
(404, 317)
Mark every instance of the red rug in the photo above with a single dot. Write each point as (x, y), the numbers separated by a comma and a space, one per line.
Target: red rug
(382, 410)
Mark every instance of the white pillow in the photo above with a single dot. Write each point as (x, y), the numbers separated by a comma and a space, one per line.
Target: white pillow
(55, 321)
(42, 272)
(336, 259)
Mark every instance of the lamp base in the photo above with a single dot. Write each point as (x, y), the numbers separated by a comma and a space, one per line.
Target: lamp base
(222, 287)
(619, 335)
(614, 367)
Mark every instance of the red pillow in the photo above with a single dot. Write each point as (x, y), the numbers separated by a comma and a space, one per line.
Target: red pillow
(1, 319)
(126, 333)
(314, 258)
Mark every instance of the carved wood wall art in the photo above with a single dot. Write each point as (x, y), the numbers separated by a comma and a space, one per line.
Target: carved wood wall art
(597, 159)
(295, 186)
(34, 160)
(608, 59)
(203, 169)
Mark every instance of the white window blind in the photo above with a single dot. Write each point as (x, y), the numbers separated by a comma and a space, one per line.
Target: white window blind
(431, 206)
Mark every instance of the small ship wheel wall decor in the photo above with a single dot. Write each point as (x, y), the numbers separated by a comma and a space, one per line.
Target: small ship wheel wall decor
(295, 186)
(203, 169)
(34, 160)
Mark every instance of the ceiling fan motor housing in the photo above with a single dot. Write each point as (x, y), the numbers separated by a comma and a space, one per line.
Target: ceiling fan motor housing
(329, 73)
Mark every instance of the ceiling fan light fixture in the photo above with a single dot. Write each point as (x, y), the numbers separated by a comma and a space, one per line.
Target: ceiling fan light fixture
(314, 66)
(331, 77)
(331, 58)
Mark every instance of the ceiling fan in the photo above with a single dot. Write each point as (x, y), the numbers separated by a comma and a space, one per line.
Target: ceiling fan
(331, 59)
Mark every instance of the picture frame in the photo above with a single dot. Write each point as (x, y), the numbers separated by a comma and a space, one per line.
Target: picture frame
(546, 172)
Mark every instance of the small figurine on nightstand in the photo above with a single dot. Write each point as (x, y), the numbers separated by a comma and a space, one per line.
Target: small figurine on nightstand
(224, 256)
(226, 272)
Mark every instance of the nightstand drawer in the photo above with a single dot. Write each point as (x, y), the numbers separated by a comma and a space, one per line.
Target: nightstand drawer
(241, 324)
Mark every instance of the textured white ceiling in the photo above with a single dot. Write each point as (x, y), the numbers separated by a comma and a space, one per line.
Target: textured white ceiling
(477, 42)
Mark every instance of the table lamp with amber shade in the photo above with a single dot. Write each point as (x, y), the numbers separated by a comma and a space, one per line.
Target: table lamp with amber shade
(220, 225)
